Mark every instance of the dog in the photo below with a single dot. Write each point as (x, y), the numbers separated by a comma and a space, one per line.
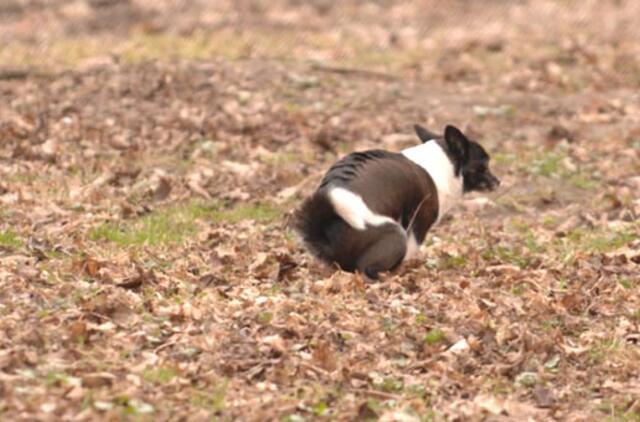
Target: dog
(374, 208)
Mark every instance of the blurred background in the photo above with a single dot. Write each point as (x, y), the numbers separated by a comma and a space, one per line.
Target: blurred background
(515, 43)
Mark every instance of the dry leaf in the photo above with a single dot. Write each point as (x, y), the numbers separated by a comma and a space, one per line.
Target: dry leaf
(324, 357)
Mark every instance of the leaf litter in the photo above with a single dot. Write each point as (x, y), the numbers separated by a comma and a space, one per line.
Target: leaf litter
(147, 268)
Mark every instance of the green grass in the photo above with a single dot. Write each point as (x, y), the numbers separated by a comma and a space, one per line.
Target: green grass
(502, 158)
(320, 408)
(264, 318)
(549, 324)
(602, 350)
(10, 240)
(139, 47)
(131, 406)
(505, 110)
(602, 242)
(213, 399)
(554, 165)
(527, 379)
(548, 165)
(617, 409)
(391, 385)
(582, 181)
(67, 52)
(55, 378)
(527, 247)
(160, 375)
(434, 336)
(161, 227)
(256, 212)
(511, 254)
(173, 224)
(451, 262)
(532, 244)
(626, 282)
(279, 159)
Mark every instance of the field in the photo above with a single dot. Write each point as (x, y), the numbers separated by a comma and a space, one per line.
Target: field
(152, 154)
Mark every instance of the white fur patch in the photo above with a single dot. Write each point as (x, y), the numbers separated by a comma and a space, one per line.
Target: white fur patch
(412, 247)
(431, 157)
(354, 211)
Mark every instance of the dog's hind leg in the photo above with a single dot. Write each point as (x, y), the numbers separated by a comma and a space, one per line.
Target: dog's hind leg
(385, 253)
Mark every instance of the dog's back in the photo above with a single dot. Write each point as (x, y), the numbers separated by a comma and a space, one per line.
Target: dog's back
(367, 198)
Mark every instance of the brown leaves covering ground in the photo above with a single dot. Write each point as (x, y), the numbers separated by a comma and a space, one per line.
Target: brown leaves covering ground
(146, 265)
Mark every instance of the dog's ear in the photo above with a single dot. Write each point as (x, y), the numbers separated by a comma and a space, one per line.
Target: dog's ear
(457, 143)
(424, 134)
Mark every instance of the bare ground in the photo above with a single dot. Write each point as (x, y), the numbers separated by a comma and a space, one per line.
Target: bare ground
(150, 157)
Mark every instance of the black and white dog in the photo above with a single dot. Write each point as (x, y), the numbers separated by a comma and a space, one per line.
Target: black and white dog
(373, 209)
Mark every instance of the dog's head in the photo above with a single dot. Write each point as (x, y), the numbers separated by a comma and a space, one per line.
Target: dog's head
(468, 157)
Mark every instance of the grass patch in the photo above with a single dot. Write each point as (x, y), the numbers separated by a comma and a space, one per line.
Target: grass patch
(131, 407)
(364, 55)
(320, 409)
(532, 243)
(550, 324)
(256, 212)
(166, 226)
(558, 165)
(549, 165)
(582, 181)
(67, 52)
(505, 110)
(618, 409)
(282, 158)
(513, 255)
(434, 336)
(391, 385)
(600, 241)
(10, 240)
(264, 318)
(160, 375)
(55, 378)
(139, 47)
(518, 289)
(452, 262)
(504, 158)
(173, 224)
(626, 282)
(213, 399)
(603, 349)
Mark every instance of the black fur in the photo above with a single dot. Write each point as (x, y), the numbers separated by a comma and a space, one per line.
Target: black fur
(345, 170)
(471, 160)
(425, 135)
(312, 221)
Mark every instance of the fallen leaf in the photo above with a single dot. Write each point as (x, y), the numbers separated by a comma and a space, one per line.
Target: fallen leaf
(544, 397)
(98, 379)
(324, 357)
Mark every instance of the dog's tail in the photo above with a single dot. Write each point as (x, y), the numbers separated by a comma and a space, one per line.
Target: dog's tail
(311, 221)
